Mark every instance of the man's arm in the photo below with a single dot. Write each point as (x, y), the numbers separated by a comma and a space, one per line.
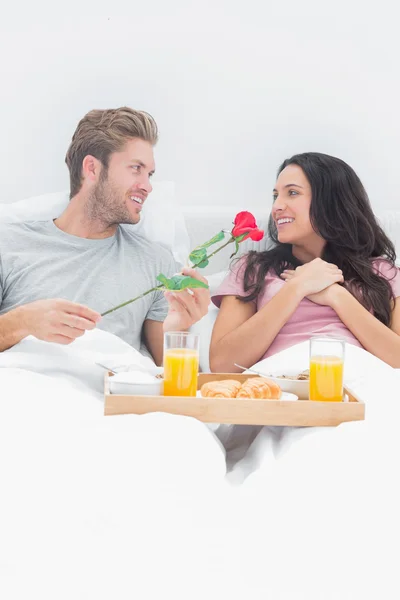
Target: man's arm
(59, 321)
(12, 328)
(153, 334)
(12, 324)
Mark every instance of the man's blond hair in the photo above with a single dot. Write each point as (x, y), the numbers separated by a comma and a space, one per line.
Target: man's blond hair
(102, 132)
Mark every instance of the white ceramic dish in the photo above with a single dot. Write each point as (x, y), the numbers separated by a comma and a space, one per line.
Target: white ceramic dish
(299, 387)
(136, 383)
(288, 396)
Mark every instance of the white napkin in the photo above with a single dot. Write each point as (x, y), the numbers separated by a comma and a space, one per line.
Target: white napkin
(128, 361)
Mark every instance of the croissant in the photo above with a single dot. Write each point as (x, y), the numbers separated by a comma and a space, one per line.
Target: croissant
(227, 388)
(260, 388)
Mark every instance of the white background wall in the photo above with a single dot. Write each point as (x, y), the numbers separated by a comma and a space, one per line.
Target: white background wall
(235, 87)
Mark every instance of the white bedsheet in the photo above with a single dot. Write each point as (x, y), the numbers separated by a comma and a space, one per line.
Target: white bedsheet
(372, 380)
(138, 506)
(327, 498)
(88, 499)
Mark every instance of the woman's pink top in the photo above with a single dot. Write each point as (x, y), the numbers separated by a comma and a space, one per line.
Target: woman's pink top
(309, 318)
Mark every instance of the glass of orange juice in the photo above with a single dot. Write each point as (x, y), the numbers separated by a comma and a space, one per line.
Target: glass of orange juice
(326, 369)
(181, 363)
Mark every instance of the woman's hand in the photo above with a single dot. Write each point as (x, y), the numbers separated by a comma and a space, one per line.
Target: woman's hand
(328, 296)
(314, 277)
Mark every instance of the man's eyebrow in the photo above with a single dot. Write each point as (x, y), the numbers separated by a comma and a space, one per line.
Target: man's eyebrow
(289, 185)
(141, 164)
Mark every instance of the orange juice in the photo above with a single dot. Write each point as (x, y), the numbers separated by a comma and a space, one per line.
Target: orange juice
(181, 366)
(326, 378)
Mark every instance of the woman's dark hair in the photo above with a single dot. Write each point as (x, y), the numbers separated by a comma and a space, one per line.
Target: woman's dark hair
(341, 214)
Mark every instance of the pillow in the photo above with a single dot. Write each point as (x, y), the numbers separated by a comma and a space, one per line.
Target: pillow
(162, 219)
(390, 221)
(215, 280)
(37, 208)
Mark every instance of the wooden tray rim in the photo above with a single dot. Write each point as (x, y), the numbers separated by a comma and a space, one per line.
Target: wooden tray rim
(294, 412)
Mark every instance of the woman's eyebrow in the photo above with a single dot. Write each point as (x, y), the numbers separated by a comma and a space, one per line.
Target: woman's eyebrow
(289, 185)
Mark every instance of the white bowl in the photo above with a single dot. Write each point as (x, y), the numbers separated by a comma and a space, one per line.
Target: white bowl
(136, 383)
(299, 387)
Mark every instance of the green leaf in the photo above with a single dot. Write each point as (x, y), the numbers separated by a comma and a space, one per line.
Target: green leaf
(198, 255)
(178, 283)
(217, 238)
(182, 282)
(163, 279)
(202, 264)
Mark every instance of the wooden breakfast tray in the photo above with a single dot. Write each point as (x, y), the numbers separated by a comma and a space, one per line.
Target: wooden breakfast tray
(239, 411)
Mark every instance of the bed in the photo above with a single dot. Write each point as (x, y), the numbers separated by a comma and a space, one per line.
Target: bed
(143, 507)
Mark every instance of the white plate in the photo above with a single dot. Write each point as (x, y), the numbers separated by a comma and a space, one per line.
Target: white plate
(298, 387)
(288, 396)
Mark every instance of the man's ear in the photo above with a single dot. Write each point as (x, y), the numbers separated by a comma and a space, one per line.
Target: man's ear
(91, 168)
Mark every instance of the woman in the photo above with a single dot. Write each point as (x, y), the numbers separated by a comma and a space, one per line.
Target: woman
(331, 271)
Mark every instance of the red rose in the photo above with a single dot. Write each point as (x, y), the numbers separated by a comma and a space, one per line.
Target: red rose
(245, 225)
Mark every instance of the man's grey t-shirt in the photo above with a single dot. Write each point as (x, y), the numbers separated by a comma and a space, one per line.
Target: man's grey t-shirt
(39, 261)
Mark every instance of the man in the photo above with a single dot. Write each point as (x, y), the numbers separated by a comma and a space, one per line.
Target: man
(51, 272)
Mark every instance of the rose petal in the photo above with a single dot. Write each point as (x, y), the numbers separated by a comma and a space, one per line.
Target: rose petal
(256, 235)
(245, 219)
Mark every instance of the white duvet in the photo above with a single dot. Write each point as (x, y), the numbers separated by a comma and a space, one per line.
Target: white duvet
(140, 506)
